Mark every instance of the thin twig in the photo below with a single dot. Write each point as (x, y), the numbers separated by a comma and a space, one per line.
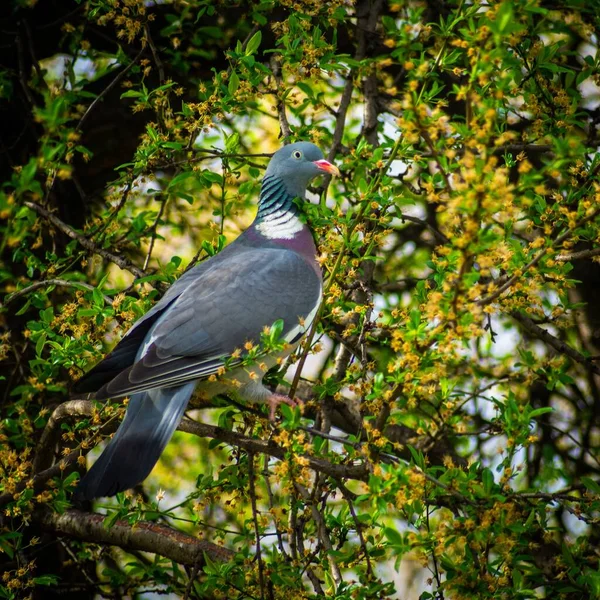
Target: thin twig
(341, 471)
(436, 234)
(22, 75)
(252, 492)
(211, 154)
(107, 89)
(284, 125)
(534, 261)
(153, 229)
(155, 55)
(267, 480)
(56, 282)
(120, 261)
(191, 578)
(554, 342)
(359, 527)
(323, 533)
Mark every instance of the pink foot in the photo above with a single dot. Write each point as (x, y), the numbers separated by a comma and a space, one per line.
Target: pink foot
(274, 400)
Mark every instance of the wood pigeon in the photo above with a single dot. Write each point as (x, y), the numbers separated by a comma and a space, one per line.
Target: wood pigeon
(204, 320)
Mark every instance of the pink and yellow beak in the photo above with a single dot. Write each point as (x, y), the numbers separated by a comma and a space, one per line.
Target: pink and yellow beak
(327, 167)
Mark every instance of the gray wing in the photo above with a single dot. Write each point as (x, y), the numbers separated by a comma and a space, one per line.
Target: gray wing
(218, 312)
(125, 352)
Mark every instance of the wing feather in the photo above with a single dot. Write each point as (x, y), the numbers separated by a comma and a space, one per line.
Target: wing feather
(216, 314)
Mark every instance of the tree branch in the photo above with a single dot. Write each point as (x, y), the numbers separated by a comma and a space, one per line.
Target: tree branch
(51, 434)
(255, 445)
(534, 261)
(578, 255)
(143, 536)
(284, 124)
(120, 261)
(57, 282)
(107, 89)
(554, 342)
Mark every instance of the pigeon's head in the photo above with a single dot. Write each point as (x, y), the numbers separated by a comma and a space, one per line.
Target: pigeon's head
(296, 164)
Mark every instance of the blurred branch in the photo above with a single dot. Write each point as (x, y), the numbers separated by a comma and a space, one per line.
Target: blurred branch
(523, 148)
(438, 235)
(554, 342)
(22, 72)
(400, 285)
(143, 536)
(155, 56)
(578, 255)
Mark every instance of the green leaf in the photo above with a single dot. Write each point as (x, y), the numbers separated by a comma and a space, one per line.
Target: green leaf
(234, 83)
(591, 485)
(39, 345)
(46, 580)
(110, 520)
(307, 89)
(488, 481)
(275, 330)
(28, 172)
(504, 16)
(253, 43)
(393, 536)
(417, 456)
(540, 411)
(132, 94)
(232, 142)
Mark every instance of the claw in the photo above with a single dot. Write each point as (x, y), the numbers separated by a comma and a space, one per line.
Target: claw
(274, 400)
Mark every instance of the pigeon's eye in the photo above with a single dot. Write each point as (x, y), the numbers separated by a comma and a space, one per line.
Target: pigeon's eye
(297, 154)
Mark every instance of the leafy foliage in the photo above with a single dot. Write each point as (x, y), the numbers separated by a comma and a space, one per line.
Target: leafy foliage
(448, 442)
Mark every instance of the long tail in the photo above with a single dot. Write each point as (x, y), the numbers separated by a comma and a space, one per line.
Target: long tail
(149, 423)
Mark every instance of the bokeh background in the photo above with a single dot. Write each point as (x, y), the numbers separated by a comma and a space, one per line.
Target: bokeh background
(448, 442)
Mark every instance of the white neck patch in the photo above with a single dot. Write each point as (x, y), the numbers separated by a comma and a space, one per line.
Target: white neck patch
(280, 225)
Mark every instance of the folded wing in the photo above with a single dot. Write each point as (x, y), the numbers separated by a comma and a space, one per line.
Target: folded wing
(217, 313)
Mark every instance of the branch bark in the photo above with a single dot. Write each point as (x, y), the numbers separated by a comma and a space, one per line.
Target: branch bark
(145, 537)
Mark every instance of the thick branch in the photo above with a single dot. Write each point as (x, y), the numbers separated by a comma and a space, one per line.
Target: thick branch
(578, 255)
(51, 434)
(145, 537)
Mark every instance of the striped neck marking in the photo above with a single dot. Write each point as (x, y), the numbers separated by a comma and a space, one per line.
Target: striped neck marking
(277, 216)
